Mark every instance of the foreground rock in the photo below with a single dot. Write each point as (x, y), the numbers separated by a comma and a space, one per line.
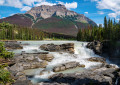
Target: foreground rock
(25, 62)
(8, 62)
(97, 59)
(13, 45)
(100, 76)
(68, 47)
(66, 66)
(96, 46)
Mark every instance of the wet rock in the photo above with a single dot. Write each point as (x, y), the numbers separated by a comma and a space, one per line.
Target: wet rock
(37, 53)
(47, 57)
(9, 62)
(29, 57)
(97, 59)
(17, 67)
(33, 65)
(68, 47)
(65, 66)
(21, 66)
(44, 64)
(19, 82)
(96, 46)
(82, 65)
(21, 76)
(13, 45)
(111, 66)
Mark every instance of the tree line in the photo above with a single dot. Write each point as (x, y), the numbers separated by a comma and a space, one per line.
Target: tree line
(110, 31)
(12, 32)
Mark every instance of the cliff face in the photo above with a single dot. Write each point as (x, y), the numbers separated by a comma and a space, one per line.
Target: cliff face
(46, 11)
(59, 10)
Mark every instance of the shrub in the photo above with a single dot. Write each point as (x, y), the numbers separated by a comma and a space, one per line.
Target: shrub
(5, 77)
(3, 53)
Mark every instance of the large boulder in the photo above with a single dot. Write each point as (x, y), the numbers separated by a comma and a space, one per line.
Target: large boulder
(68, 47)
(65, 66)
(13, 45)
(47, 57)
(96, 46)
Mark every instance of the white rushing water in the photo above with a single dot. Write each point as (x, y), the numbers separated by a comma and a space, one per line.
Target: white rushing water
(81, 55)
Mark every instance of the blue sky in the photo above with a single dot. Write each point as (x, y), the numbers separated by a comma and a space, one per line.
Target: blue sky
(94, 9)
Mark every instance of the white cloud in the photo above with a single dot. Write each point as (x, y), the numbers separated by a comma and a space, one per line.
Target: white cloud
(13, 3)
(25, 5)
(114, 15)
(26, 8)
(31, 2)
(45, 3)
(113, 5)
(72, 5)
(2, 2)
(100, 12)
(86, 12)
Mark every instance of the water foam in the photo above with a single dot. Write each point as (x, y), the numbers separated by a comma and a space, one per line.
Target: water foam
(81, 55)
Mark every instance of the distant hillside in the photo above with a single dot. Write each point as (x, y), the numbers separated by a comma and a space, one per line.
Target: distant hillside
(18, 19)
(53, 19)
(59, 25)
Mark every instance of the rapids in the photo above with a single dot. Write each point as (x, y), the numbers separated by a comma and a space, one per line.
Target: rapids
(81, 55)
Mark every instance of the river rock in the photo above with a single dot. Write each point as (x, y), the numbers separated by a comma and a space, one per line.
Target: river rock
(9, 62)
(21, 76)
(68, 47)
(97, 59)
(47, 57)
(65, 66)
(100, 76)
(96, 46)
(33, 65)
(13, 45)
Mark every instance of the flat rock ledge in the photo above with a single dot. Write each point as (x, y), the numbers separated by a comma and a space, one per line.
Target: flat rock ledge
(66, 66)
(68, 47)
(47, 57)
(25, 62)
(97, 59)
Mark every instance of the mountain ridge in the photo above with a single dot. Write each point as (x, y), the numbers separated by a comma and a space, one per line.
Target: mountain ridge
(58, 16)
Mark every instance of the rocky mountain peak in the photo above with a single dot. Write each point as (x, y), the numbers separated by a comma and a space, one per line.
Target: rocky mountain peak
(46, 11)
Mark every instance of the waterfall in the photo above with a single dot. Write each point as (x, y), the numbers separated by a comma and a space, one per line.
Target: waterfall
(81, 55)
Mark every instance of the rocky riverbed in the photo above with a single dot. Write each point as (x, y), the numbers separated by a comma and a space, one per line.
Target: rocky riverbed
(59, 58)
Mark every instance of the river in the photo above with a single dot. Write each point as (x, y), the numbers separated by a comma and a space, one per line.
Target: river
(81, 54)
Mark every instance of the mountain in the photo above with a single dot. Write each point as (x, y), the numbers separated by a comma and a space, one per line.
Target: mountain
(53, 19)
